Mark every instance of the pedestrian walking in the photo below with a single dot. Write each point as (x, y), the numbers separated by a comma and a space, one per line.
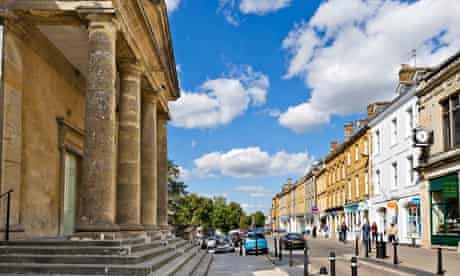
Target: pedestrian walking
(314, 232)
(343, 232)
(392, 233)
(326, 231)
(374, 231)
(366, 228)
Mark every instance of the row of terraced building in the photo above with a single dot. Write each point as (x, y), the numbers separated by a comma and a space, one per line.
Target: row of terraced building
(398, 165)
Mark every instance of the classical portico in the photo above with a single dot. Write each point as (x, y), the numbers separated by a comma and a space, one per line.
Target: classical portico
(121, 68)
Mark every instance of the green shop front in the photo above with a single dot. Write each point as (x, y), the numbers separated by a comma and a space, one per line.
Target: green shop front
(445, 210)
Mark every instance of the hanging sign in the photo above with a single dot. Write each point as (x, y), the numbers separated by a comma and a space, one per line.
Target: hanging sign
(392, 205)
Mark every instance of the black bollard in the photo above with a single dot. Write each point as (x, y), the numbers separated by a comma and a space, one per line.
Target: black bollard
(323, 271)
(332, 263)
(366, 248)
(241, 247)
(244, 250)
(306, 264)
(290, 254)
(354, 266)
(440, 269)
(357, 246)
(257, 247)
(276, 247)
(395, 252)
(280, 254)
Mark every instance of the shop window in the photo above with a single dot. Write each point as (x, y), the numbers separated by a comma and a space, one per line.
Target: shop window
(445, 218)
(413, 221)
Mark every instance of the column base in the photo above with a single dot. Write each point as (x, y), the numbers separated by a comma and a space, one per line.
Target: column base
(132, 227)
(97, 231)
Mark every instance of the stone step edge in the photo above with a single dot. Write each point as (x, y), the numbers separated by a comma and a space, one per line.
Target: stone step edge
(193, 264)
(203, 270)
(129, 259)
(175, 265)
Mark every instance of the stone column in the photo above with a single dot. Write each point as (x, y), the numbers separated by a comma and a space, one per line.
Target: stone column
(149, 160)
(97, 189)
(129, 148)
(162, 202)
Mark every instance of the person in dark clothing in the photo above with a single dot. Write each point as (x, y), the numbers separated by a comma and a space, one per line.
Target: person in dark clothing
(366, 228)
(343, 232)
(374, 232)
(314, 232)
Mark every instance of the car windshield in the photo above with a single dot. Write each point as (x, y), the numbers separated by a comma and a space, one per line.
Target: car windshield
(254, 235)
(294, 236)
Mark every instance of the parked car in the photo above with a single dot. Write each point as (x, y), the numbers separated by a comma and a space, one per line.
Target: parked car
(223, 245)
(211, 242)
(235, 238)
(296, 240)
(250, 243)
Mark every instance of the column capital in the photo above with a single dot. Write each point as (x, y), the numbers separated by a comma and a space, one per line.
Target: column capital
(131, 67)
(150, 95)
(100, 20)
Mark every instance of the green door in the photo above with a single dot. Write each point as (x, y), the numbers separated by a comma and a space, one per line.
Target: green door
(70, 188)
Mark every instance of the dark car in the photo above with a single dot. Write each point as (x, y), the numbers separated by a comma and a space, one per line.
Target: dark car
(223, 245)
(296, 240)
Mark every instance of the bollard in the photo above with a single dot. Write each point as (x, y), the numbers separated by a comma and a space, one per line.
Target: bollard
(366, 248)
(440, 269)
(241, 247)
(332, 263)
(395, 252)
(244, 249)
(305, 260)
(383, 247)
(323, 271)
(290, 254)
(356, 246)
(354, 266)
(276, 247)
(257, 246)
(414, 243)
(280, 254)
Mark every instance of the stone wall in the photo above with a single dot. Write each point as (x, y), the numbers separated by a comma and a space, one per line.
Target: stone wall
(46, 95)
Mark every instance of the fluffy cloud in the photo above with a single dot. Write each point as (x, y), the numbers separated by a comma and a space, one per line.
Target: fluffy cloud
(350, 51)
(172, 5)
(231, 9)
(220, 100)
(262, 6)
(254, 191)
(249, 162)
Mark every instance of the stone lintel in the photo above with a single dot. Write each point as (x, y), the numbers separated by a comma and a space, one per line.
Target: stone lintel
(58, 5)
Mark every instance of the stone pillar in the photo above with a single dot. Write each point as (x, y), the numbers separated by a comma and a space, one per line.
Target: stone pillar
(149, 160)
(97, 189)
(162, 202)
(129, 148)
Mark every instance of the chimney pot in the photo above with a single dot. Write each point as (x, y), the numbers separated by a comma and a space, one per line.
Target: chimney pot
(349, 130)
(334, 145)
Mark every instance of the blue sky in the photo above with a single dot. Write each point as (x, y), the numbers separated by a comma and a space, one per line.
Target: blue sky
(267, 84)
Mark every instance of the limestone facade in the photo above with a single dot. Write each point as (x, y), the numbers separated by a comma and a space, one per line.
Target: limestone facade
(83, 116)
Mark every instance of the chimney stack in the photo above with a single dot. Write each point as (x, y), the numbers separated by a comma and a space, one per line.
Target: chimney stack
(334, 145)
(349, 130)
(406, 74)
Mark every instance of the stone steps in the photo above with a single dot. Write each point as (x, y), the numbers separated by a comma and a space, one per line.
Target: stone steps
(78, 250)
(192, 265)
(176, 264)
(127, 258)
(124, 258)
(203, 267)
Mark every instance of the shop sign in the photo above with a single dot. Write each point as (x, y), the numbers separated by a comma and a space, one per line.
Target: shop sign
(392, 205)
(415, 201)
(450, 188)
(362, 206)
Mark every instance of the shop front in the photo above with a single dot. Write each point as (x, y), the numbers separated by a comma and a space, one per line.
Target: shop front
(445, 210)
(410, 226)
(355, 215)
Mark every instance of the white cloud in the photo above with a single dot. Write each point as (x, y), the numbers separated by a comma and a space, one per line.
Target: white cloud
(250, 162)
(254, 191)
(172, 5)
(220, 100)
(262, 6)
(231, 9)
(350, 51)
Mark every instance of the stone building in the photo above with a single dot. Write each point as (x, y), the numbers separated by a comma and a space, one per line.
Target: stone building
(299, 206)
(84, 112)
(439, 99)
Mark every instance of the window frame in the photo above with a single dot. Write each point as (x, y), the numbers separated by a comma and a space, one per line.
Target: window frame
(449, 130)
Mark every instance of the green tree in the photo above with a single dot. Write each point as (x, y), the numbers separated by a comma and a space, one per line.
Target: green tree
(259, 219)
(235, 212)
(220, 214)
(176, 190)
